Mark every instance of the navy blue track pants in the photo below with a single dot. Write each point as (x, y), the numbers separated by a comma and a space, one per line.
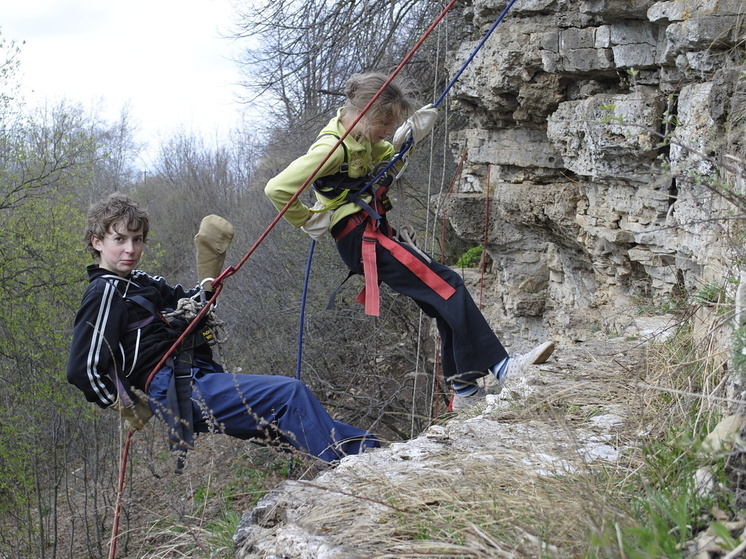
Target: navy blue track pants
(264, 407)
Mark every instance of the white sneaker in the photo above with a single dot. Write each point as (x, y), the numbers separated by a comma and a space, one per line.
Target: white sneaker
(461, 403)
(517, 365)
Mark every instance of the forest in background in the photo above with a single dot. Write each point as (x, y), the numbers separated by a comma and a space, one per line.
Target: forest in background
(56, 161)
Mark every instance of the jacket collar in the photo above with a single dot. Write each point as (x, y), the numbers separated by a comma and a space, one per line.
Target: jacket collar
(96, 272)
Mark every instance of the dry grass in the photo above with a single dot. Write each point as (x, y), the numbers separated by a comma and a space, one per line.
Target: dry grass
(535, 490)
(533, 493)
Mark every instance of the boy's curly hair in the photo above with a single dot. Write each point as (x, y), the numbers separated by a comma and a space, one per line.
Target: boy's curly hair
(116, 209)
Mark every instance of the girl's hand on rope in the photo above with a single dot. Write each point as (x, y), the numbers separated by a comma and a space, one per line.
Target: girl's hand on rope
(318, 224)
(419, 125)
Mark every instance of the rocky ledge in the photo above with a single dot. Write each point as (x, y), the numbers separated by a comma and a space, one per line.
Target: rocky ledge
(567, 417)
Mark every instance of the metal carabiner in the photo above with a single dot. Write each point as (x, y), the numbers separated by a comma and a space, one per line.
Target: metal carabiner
(201, 294)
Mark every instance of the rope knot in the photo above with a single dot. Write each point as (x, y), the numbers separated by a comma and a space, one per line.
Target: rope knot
(188, 308)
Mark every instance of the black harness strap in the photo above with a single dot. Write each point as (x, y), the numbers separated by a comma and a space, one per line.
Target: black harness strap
(180, 420)
(179, 416)
(341, 184)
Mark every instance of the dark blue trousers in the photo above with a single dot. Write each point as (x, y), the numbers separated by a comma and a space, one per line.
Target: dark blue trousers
(266, 408)
(468, 345)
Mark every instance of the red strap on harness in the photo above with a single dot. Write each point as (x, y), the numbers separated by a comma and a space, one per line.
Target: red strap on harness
(370, 295)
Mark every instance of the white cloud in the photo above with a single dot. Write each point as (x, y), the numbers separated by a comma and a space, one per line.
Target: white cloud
(165, 59)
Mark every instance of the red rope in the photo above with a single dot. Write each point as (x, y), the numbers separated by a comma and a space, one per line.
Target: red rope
(483, 260)
(218, 282)
(444, 220)
(120, 490)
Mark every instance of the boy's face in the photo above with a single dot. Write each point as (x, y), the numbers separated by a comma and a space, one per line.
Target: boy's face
(120, 249)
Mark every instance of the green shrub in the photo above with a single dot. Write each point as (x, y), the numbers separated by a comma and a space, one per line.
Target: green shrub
(470, 258)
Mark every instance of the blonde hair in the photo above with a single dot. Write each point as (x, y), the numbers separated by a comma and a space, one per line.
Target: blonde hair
(392, 105)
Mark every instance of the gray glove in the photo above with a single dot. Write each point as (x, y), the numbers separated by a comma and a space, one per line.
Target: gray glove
(419, 125)
(138, 415)
(211, 241)
(318, 224)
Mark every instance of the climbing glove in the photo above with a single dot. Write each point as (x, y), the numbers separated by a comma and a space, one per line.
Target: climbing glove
(419, 125)
(138, 415)
(318, 224)
(211, 241)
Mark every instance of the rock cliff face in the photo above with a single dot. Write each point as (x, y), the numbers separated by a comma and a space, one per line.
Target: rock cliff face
(607, 137)
(497, 460)
(598, 129)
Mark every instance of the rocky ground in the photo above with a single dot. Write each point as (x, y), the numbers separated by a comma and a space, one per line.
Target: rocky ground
(581, 410)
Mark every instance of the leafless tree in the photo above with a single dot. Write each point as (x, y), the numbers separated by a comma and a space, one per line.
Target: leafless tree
(303, 52)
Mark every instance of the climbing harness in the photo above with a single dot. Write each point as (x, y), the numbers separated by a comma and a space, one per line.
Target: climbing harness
(375, 235)
(180, 423)
(188, 308)
(177, 414)
(339, 188)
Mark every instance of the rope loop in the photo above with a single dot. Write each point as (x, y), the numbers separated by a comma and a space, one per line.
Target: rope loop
(407, 234)
(188, 309)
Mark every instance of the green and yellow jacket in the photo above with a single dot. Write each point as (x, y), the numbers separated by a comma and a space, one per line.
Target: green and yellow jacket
(362, 157)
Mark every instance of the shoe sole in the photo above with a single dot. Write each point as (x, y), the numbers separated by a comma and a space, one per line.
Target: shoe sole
(458, 404)
(546, 350)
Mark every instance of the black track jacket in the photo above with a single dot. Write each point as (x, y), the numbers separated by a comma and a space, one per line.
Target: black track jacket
(115, 332)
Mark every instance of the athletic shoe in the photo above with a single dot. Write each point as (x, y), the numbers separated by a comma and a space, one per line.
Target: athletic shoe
(460, 403)
(516, 366)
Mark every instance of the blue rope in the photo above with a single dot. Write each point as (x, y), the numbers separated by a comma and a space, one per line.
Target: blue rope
(303, 309)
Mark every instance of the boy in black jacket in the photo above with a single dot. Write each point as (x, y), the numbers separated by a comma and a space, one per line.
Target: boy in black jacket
(121, 334)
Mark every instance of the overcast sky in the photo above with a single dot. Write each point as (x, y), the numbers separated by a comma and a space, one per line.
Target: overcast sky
(164, 59)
